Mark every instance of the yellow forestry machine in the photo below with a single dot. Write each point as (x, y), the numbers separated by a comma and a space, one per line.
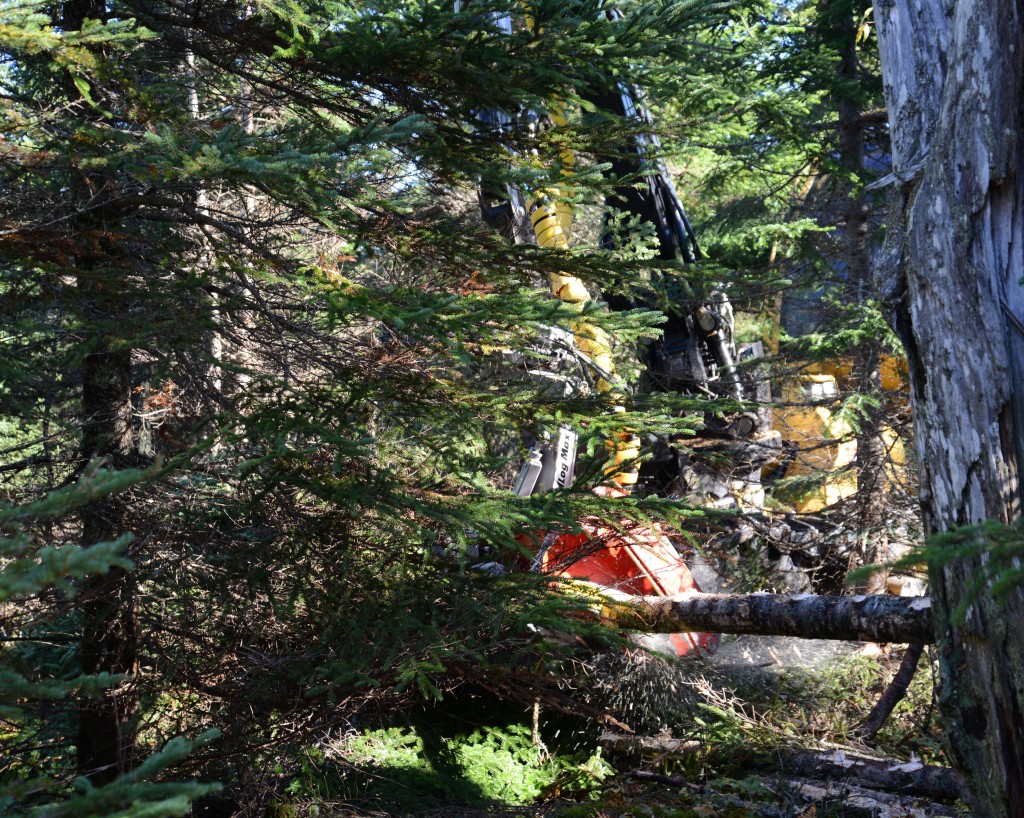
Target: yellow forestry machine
(695, 354)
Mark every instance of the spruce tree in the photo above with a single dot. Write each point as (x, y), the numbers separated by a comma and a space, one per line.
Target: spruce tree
(223, 260)
(34, 575)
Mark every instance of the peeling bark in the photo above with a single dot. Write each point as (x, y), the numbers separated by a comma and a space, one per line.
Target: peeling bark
(950, 273)
(849, 801)
(876, 618)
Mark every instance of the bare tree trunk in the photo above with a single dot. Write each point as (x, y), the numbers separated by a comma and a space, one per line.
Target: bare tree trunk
(950, 276)
(216, 349)
(843, 800)
(627, 744)
(878, 618)
(939, 783)
(913, 779)
(105, 739)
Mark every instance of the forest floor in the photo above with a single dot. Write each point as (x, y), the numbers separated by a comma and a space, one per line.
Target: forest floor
(742, 718)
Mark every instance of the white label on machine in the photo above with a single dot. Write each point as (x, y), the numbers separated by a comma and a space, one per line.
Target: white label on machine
(559, 461)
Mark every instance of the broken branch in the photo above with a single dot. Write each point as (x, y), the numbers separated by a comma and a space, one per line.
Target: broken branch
(896, 690)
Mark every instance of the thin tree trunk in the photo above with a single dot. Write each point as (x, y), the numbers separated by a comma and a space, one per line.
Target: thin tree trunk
(627, 744)
(109, 640)
(109, 644)
(215, 372)
(950, 276)
(841, 29)
(877, 618)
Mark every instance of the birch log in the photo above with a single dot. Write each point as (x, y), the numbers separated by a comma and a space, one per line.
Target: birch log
(950, 280)
(872, 618)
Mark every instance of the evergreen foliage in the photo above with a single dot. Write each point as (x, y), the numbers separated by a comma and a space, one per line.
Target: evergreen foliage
(236, 267)
(223, 253)
(36, 583)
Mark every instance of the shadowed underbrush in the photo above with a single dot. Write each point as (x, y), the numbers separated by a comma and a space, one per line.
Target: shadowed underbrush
(469, 754)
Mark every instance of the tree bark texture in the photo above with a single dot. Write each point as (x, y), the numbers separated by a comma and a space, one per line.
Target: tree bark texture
(910, 779)
(109, 642)
(876, 618)
(850, 801)
(626, 744)
(950, 279)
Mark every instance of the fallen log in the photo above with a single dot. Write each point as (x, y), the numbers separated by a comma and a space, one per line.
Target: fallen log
(913, 778)
(848, 801)
(647, 745)
(871, 618)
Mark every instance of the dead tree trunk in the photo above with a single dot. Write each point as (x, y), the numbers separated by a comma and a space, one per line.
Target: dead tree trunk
(950, 279)
(807, 616)
(938, 783)
(911, 779)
